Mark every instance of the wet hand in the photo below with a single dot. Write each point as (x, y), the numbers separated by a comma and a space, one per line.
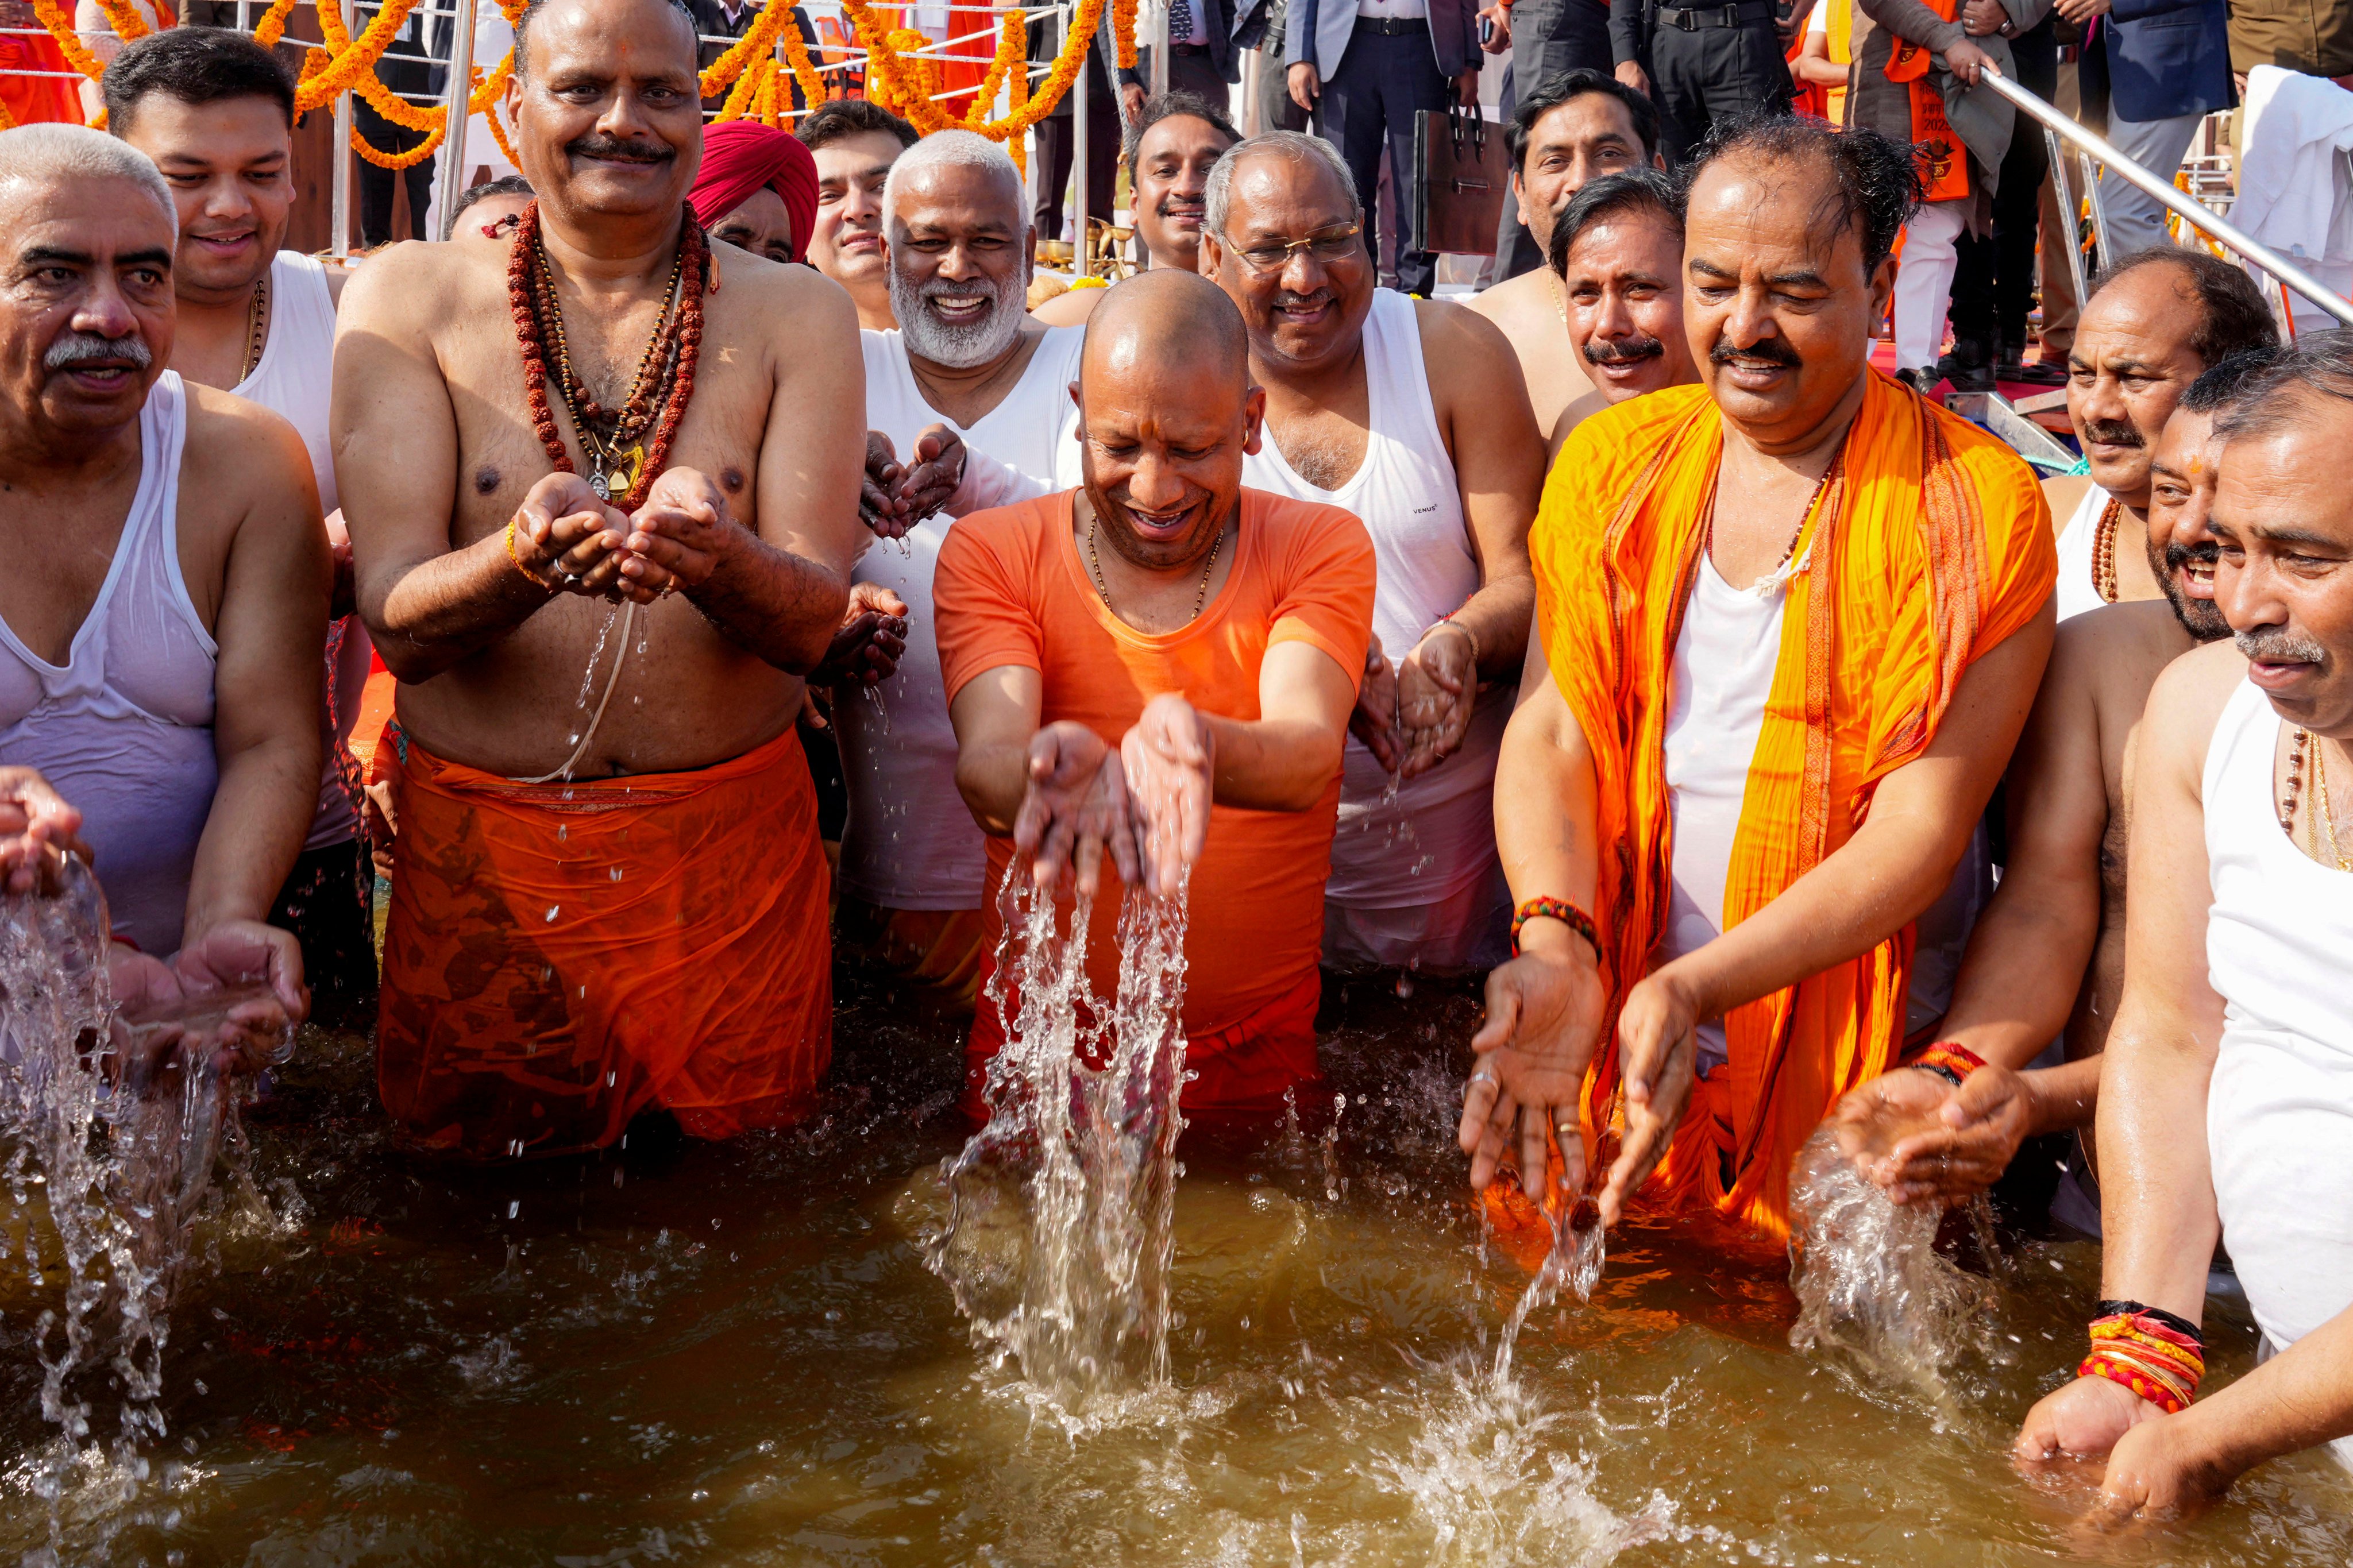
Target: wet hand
(1074, 807)
(38, 830)
(879, 507)
(1968, 61)
(1171, 758)
(2158, 1472)
(1544, 1020)
(866, 647)
(568, 540)
(1940, 1143)
(678, 537)
(1658, 1056)
(247, 952)
(2084, 1419)
(933, 471)
(1437, 687)
(1374, 720)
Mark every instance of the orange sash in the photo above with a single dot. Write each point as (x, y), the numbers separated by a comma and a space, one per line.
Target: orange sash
(559, 957)
(1943, 163)
(1932, 543)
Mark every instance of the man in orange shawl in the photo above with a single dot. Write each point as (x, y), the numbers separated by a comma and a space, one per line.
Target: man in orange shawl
(1753, 739)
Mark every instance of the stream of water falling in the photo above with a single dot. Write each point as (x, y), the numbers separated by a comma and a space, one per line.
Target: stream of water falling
(1059, 1235)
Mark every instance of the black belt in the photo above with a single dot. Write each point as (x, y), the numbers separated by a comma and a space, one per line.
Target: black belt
(1396, 26)
(1692, 20)
(1188, 49)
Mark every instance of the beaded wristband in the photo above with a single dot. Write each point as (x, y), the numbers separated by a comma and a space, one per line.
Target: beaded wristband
(1949, 1061)
(2141, 1352)
(536, 580)
(1561, 909)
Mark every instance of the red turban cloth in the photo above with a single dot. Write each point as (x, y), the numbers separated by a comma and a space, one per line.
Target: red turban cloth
(739, 156)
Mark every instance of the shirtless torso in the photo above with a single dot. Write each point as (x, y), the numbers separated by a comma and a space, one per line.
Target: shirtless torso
(436, 452)
(1528, 309)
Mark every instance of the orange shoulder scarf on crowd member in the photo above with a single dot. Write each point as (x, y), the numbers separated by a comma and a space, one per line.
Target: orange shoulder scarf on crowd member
(1943, 163)
(1930, 545)
(561, 956)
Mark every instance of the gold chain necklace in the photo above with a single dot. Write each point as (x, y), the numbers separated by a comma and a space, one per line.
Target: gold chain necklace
(257, 327)
(1103, 588)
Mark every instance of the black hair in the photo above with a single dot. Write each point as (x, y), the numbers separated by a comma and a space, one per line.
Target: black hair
(1557, 89)
(839, 118)
(530, 13)
(1876, 184)
(2315, 367)
(2236, 315)
(504, 185)
(2224, 385)
(196, 65)
(1627, 190)
(1171, 106)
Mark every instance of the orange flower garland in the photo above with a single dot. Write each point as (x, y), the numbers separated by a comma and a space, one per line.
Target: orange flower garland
(755, 45)
(125, 19)
(273, 26)
(796, 56)
(61, 28)
(885, 68)
(1123, 32)
(352, 63)
(1012, 55)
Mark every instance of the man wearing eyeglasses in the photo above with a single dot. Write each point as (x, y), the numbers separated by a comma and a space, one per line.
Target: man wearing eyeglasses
(1412, 415)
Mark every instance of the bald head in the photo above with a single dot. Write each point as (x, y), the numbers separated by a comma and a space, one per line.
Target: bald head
(1171, 322)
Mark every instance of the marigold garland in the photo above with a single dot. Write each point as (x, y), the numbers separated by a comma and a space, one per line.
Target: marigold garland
(1123, 32)
(61, 28)
(357, 61)
(125, 19)
(740, 96)
(1012, 55)
(415, 155)
(759, 42)
(885, 68)
(804, 70)
(273, 26)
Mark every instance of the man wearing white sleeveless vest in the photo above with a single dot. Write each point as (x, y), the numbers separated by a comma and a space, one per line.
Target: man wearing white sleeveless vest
(2233, 1020)
(161, 620)
(215, 110)
(1413, 415)
(966, 366)
(2153, 325)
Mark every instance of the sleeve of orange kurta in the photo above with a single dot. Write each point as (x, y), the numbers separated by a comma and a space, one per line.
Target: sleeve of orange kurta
(980, 594)
(1324, 597)
(2020, 557)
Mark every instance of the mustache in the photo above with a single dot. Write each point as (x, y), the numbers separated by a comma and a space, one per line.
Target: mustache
(2279, 645)
(1182, 207)
(596, 144)
(2206, 554)
(2114, 433)
(1629, 351)
(1769, 351)
(78, 349)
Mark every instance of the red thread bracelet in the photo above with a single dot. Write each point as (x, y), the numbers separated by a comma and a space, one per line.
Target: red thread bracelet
(1560, 909)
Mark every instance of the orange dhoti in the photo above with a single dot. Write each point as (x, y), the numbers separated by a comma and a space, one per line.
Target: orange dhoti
(560, 957)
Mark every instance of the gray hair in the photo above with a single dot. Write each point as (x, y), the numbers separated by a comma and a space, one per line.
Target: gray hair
(949, 150)
(51, 152)
(1296, 145)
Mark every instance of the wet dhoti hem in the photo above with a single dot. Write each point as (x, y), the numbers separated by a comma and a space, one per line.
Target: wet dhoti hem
(560, 957)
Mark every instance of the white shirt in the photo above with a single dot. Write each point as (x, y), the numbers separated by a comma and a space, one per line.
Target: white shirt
(910, 842)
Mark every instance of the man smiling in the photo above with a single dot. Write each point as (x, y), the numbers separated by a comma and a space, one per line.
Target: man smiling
(1618, 249)
(855, 142)
(1171, 148)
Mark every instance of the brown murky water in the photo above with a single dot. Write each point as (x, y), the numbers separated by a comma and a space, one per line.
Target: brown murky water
(734, 1355)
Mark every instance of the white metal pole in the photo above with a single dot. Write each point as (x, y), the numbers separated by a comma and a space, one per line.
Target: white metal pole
(2068, 213)
(461, 95)
(339, 205)
(2195, 212)
(1079, 167)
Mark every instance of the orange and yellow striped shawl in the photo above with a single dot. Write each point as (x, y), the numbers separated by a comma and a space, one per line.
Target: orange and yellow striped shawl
(1931, 544)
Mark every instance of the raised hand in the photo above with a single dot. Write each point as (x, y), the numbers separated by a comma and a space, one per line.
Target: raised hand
(38, 830)
(1374, 721)
(1543, 1022)
(1658, 1056)
(1074, 809)
(569, 539)
(872, 635)
(677, 538)
(931, 473)
(1917, 1138)
(1438, 685)
(1171, 762)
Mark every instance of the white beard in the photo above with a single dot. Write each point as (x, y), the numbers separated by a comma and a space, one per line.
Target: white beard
(960, 347)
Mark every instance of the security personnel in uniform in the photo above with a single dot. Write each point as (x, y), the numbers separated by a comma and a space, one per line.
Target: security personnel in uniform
(1702, 63)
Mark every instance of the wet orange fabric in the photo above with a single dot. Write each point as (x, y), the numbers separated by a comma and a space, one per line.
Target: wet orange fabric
(1010, 589)
(937, 952)
(1932, 543)
(559, 957)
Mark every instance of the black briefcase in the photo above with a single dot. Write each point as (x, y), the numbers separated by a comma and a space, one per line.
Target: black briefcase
(1462, 177)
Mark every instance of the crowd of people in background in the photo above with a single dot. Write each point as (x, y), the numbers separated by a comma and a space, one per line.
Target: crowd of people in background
(764, 585)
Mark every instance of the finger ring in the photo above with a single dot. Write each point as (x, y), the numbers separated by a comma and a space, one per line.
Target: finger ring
(1484, 1074)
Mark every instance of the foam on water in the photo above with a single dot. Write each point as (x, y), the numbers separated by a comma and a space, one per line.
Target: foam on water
(1059, 1237)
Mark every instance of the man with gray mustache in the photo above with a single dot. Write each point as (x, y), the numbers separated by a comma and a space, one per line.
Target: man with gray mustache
(966, 366)
(161, 621)
(2152, 325)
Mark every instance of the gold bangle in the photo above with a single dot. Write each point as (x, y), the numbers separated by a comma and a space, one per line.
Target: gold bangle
(1472, 636)
(535, 580)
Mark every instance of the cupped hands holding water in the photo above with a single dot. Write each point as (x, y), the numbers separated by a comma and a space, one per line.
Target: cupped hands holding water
(573, 542)
(1918, 1138)
(1145, 804)
(896, 496)
(1436, 688)
(233, 993)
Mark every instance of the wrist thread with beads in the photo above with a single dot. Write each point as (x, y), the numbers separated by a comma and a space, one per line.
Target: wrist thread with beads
(1949, 1061)
(1560, 909)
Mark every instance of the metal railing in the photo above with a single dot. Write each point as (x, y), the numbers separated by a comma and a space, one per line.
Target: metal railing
(2196, 214)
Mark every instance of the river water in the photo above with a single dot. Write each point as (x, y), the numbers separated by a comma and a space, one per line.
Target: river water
(736, 1355)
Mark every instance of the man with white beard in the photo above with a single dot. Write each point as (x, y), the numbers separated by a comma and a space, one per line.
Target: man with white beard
(966, 366)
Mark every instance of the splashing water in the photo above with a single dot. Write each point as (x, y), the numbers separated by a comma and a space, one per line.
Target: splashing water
(1573, 1264)
(1869, 1280)
(1059, 1235)
(117, 1120)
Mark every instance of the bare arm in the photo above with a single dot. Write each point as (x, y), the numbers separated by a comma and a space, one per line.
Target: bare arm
(994, 715)
(1287, 757)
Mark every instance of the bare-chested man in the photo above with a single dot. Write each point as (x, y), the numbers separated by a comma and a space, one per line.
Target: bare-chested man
(1617, 250)
(608, 892)
(1406, 412)
(1576, 127)
(855, 142)
(2152, 326)
(216, 111)
(2046, 960)
(161, 620)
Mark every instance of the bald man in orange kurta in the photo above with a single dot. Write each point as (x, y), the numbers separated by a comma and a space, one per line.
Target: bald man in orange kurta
(1789, 624)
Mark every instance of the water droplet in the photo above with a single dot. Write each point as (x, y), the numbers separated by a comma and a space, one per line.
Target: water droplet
(552, 911)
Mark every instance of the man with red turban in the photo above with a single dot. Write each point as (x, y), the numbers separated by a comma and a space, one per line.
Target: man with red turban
(756, 189)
